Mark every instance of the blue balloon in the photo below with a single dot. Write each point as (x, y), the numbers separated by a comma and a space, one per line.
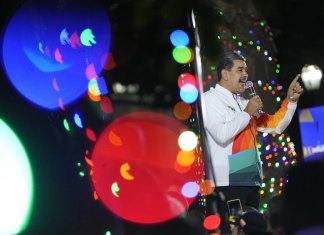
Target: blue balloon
(188, 93)
(179, 38)
(45, 53)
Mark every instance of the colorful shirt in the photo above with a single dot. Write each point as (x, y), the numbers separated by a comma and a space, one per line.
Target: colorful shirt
(231, 136)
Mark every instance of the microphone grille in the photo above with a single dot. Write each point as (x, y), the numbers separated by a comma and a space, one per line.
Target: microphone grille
(249, 84)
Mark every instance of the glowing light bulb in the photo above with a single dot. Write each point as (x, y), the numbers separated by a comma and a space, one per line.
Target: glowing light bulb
(311, 76)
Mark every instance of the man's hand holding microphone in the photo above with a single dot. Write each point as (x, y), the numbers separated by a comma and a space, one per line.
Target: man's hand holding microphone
(255, 104)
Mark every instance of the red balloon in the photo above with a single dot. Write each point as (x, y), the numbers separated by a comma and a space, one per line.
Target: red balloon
(133, 168)
(212, 222)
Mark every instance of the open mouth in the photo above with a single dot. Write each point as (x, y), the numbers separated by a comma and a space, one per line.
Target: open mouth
(242, 82)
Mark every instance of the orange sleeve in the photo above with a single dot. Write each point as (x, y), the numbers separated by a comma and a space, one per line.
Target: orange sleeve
(272, 121)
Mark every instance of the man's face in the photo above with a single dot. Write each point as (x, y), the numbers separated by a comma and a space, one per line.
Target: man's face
(236, 77)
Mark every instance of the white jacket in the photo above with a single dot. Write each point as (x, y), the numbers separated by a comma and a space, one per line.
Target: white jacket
(231, 136)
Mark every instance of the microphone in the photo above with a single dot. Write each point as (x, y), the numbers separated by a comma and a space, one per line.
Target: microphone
(249, 86)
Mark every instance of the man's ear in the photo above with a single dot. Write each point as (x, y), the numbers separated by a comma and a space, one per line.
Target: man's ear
(224, 74)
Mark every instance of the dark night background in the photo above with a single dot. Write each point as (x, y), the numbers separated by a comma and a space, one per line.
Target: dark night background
(63, 200)
(298, 35)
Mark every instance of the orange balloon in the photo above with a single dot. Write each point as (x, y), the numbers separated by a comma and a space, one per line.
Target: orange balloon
(207, 187)
(182, 110)
(186, 158)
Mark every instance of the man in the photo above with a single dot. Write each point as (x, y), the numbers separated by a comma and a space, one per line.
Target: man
(231, 124)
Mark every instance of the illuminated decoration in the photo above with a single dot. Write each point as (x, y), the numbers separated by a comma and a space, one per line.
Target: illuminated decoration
(75, 40)
(88, 161)
(275, 157)
(93, 87)
(55, 85)
(78, 120)
(66, 125)
(190, 189)
(15, 181)
(188, 93)
(91, 135)
(64, 37)
(82, 170)
(275, 89)
(179, 38)
(61, 104)
(187, 140)
(115, 189)
(133, 147)
(102, 86)
(90, 72)
(54, 44)
(311, 76)
(185, 158)
(183, 55)
(106, 105)
(124, 171)
(182, 110)
(114, 139)
(58, 56)
(207, 187)
(93, 94)
(93, 90)
(212, 222)
(87, 38)
(119, 88)
(186, 78)
(188, 87)
(190, 157)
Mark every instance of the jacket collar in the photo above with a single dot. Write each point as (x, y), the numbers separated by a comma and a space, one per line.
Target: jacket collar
(226, 92)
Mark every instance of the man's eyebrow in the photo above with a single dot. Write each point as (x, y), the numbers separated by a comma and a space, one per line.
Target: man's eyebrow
(242, 67)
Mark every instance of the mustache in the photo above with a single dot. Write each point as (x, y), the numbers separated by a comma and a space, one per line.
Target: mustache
(244, 79)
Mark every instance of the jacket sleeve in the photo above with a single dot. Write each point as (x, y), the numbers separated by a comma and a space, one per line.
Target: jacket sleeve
(223, 127)
(278, 122)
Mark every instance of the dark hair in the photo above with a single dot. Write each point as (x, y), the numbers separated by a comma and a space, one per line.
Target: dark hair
(227, 62)
(253, 223)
